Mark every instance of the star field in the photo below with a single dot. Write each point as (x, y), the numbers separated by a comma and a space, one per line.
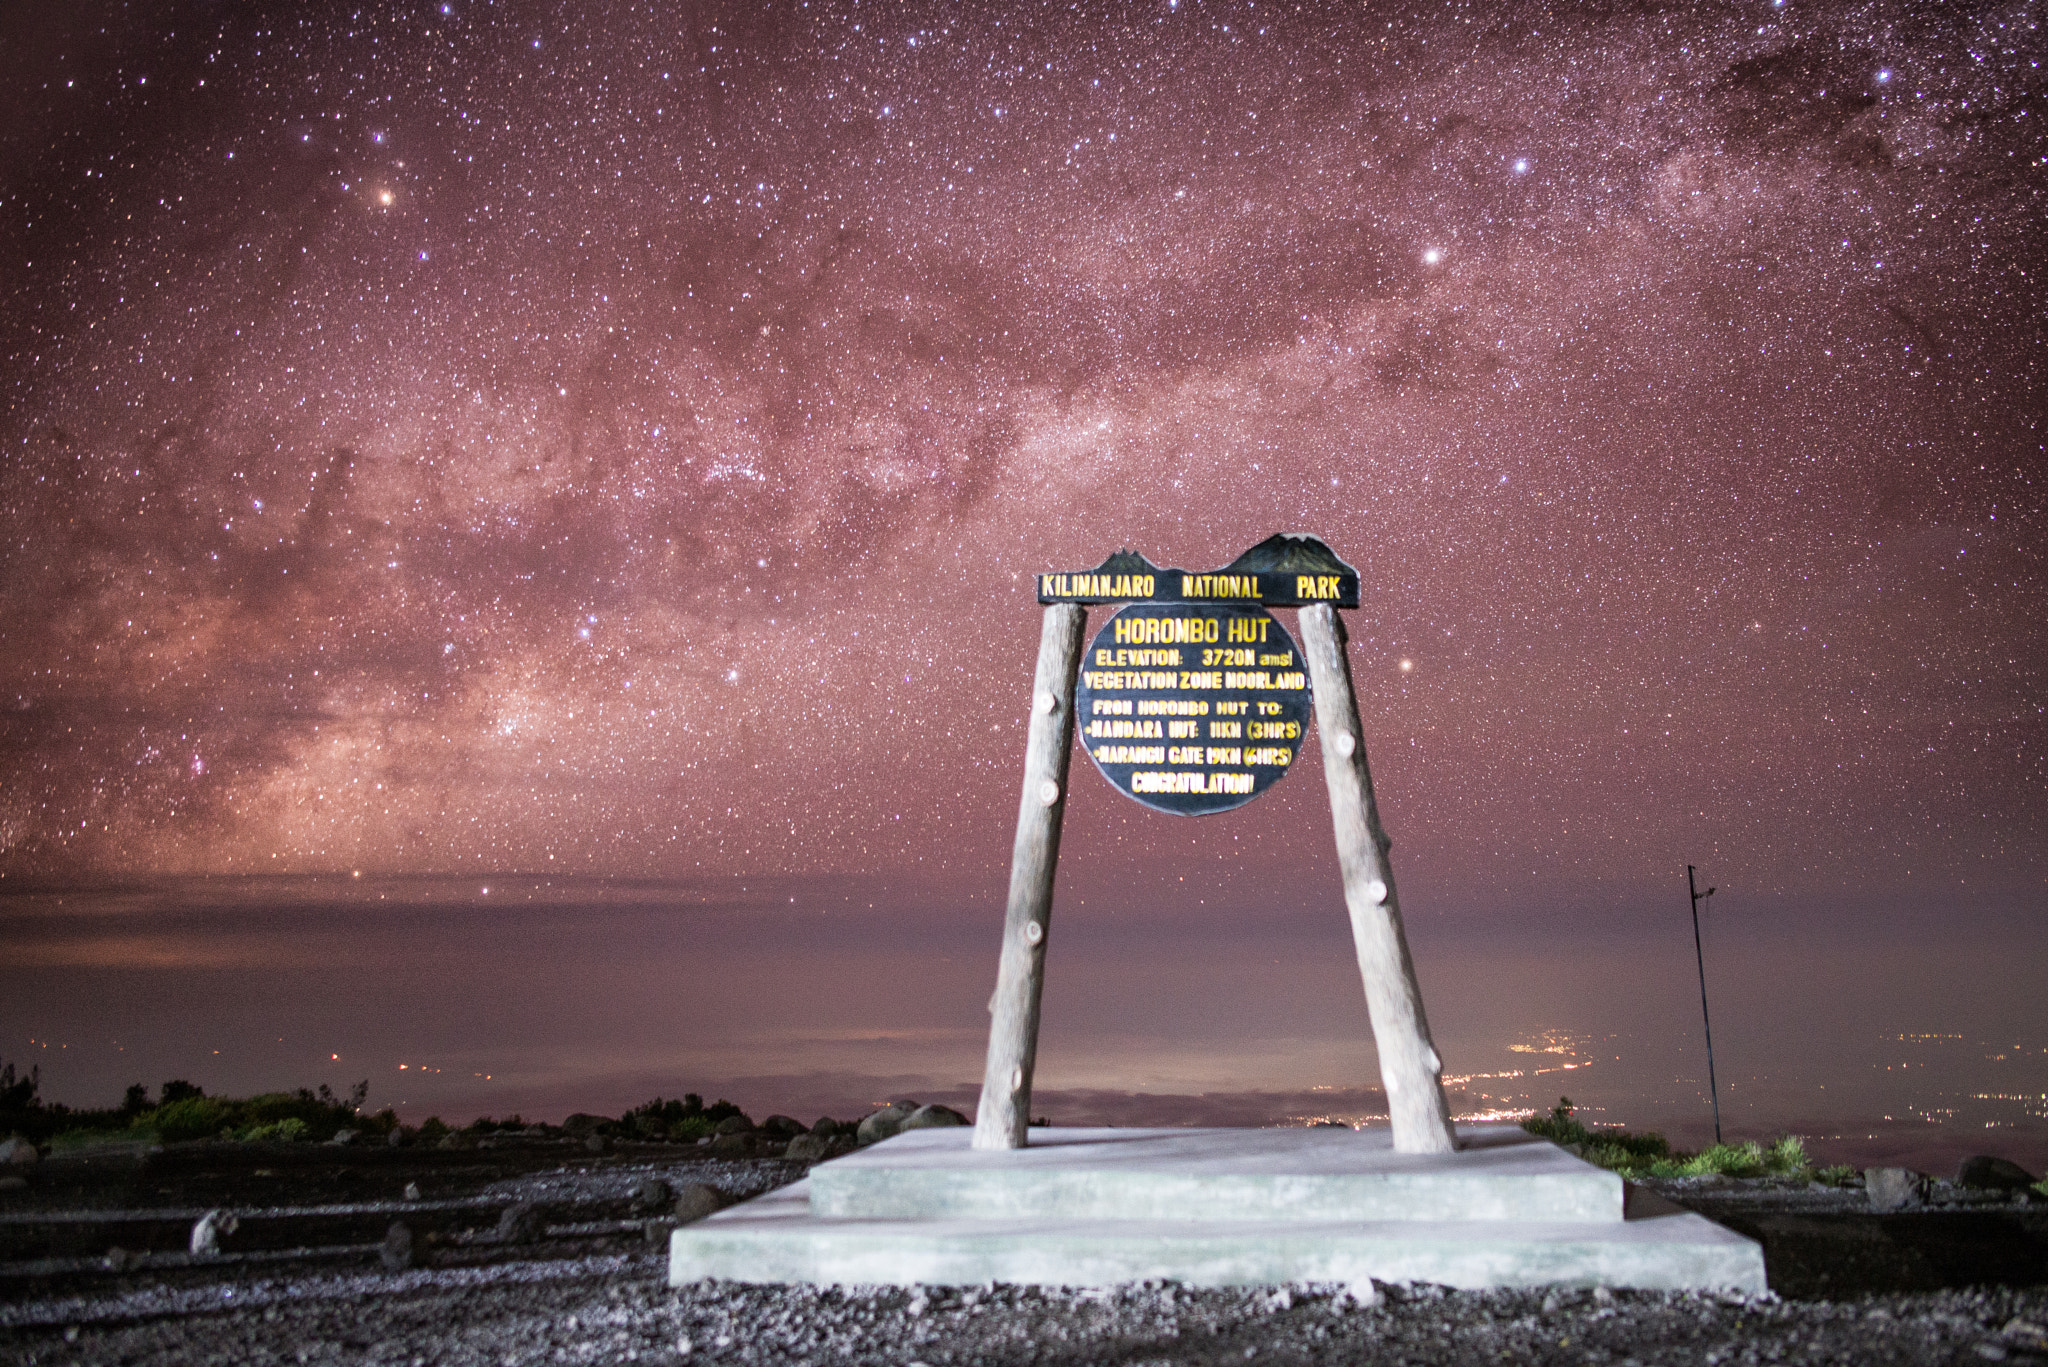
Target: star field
(619, 438)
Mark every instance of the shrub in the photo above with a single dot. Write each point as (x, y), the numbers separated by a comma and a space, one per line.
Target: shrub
(1626, 1153)
(24, 1112)
(290, 1130)
(192, 1117)
(688, 1119)
(183, 1112)
(1651, 1155)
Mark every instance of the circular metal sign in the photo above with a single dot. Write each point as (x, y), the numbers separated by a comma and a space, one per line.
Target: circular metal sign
(1192, 708)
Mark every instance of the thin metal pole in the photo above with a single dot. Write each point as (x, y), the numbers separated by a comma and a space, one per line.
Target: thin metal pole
(1707, 1025)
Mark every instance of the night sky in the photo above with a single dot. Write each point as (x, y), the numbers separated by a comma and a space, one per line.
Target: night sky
(615, 441)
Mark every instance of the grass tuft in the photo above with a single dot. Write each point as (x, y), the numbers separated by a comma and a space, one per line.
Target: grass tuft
(1651, 1155)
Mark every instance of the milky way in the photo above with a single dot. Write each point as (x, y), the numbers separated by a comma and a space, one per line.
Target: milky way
(619, 439)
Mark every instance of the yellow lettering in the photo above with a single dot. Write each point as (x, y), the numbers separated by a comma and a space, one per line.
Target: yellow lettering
(1173, 707)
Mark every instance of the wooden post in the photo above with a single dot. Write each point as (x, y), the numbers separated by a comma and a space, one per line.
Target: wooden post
(1002, 1119)
(1409, 1067)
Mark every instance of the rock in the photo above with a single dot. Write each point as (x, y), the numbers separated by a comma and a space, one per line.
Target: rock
(343, 1137)
(783, 1126)
(396, 1250)
(398, 1138)
(734, 1124)
(1894, 1188)
(885, 1122)
(828, 1127)
(933, 1118)
(696, 1201)
(583, 1123)
(739, 1145)
(1363, 1294)
(653, 1194)
(520, 1223)
(809, 1148)
(13, 1182)
(18, 1150)
(598, 1143)
(412, 1191)
(1986, 1173)
(207, 1231)
(117, 1259)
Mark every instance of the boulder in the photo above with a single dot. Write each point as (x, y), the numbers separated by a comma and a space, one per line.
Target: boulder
(734, 1124)
(933, 1118)
(1894, 1188)
(809, 1148)
(597, 1143)
(828, 1127)
(696, 1201)
(782, 1126)
(520, 1223)
(18, 1150)
(653, 1194)
(343, 1138)
(885, 1122)
(396, 1250)
(1986, 1173)
(13, 1182)
(207, 1232)
(583, 1123)
(740, 1145)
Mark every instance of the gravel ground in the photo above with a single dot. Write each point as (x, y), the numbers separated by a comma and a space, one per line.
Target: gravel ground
(602, 1298)
(618, 1309)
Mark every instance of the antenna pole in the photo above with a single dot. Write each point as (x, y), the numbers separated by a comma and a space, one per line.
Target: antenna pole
(1699, 954)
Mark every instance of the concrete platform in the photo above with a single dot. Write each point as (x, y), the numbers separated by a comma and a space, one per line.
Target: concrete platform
(973, 1217)
(1501, 1172)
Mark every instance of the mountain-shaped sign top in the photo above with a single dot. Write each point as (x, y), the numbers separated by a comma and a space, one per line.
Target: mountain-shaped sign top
(1286, 570)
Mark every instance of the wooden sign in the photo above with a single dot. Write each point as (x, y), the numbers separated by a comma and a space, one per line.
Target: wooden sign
(1159, 693)
(1283, 571)
(1191, 708)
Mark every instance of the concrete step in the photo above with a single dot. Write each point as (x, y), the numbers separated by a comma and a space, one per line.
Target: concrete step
(1501, 1172)
(1214, 1208)
(778, 1239)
